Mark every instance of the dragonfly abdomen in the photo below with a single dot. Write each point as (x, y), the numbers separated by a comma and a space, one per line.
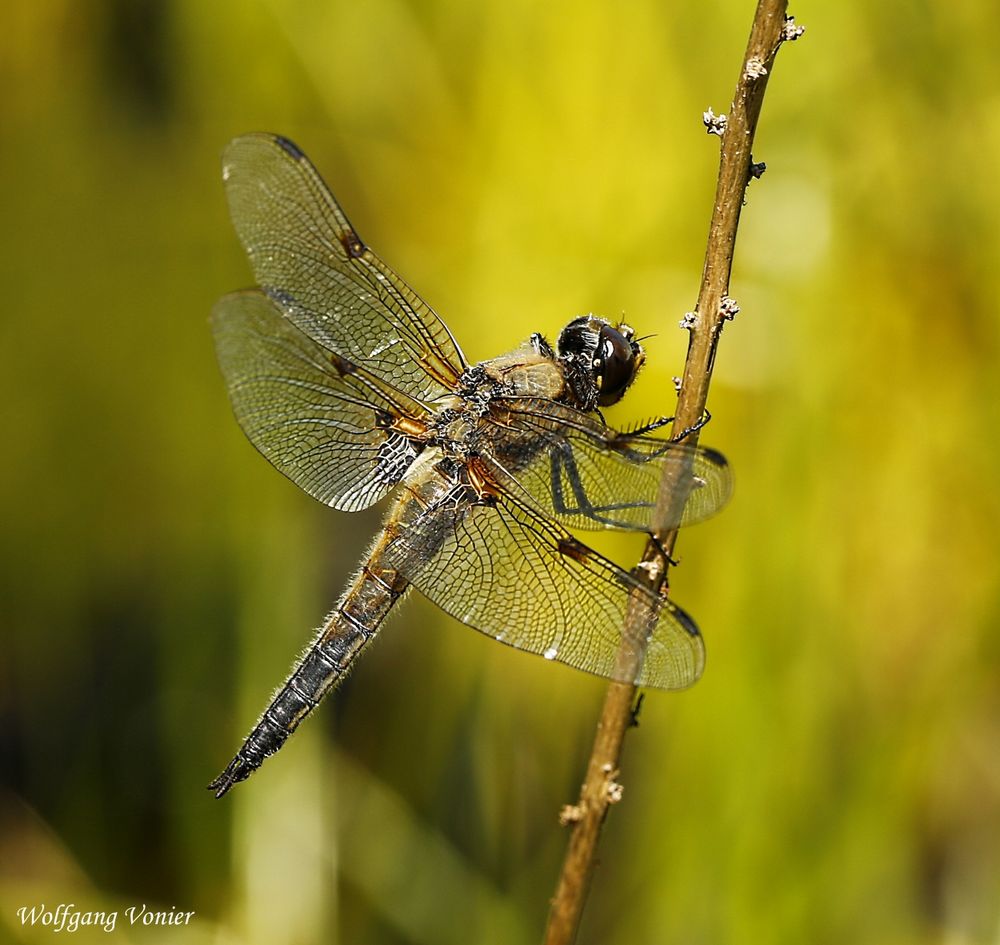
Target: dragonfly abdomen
(344, 634)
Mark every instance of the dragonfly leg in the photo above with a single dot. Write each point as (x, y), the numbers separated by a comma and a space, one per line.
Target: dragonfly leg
(563, 464)
(694, 428)
(663, 551)
(651, 426)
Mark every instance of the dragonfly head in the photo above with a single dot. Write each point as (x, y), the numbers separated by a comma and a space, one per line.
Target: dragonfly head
(601, 359)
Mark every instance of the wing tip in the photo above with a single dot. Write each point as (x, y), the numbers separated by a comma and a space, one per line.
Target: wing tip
(221, 310)
(714, 456)
(257, 138)
(289, 147)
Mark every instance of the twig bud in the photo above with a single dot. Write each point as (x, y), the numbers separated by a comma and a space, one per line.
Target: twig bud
(570, 814)
(714, 124)
(791, 31)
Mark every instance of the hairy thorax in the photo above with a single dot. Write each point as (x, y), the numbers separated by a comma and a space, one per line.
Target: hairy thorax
(523, 373)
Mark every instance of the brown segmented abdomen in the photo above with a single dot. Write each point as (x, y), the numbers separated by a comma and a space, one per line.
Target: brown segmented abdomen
(354, 622)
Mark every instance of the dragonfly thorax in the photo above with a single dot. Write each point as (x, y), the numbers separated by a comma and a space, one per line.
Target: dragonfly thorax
(453, 428)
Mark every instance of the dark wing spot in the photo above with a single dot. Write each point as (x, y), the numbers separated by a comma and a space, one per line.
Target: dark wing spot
(384, 420)
(683, 619)
(342, 366)
(280, 297)
(714, 456)
(571, 548)
(353, 245)
(290, 147)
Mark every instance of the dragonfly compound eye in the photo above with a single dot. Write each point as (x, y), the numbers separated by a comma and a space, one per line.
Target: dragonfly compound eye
(616, 362)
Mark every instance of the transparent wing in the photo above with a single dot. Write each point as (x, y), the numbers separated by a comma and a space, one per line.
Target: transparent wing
(310, 261)
(572, 467)
(525, 581)
(310, 412)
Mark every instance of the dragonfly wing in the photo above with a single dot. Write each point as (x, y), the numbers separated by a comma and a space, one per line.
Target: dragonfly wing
(311, 262)
(523, 579)
(314, 415)
(573, 468)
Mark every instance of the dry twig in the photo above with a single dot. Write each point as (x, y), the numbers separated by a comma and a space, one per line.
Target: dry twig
(600, 789)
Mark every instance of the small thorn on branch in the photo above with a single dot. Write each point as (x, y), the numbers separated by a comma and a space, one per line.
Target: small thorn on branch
(757, 169)
(714, 124)
(791, 31)
(633, 722)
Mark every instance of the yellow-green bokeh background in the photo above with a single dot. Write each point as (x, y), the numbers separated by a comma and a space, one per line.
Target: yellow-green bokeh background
(835, 777)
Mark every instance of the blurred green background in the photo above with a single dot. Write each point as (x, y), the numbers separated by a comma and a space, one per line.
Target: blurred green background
(835, 777)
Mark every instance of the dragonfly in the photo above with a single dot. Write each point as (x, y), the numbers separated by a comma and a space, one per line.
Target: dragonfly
(354, 388)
